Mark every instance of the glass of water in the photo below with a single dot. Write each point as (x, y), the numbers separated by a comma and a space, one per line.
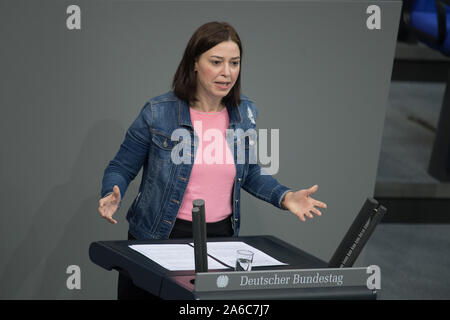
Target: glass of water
(244, 260)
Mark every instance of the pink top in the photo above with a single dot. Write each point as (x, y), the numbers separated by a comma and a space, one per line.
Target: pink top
(212, 176)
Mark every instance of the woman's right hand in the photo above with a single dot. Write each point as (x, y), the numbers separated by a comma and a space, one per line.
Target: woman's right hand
(109, 204)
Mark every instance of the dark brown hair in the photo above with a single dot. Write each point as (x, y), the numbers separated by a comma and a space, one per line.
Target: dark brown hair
(204, 38)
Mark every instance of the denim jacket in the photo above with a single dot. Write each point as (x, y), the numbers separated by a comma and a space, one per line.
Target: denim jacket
(148, 143)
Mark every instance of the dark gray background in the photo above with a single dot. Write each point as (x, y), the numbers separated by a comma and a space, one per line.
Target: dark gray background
(67, 97)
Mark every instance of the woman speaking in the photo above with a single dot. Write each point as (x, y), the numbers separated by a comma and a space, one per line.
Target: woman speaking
(205, 97)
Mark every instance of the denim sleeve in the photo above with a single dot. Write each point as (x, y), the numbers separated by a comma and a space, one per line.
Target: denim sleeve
(263, 186)
(132, 153)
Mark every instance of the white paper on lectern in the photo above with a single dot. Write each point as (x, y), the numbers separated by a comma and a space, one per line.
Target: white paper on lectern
(226, 253)
(173, 257)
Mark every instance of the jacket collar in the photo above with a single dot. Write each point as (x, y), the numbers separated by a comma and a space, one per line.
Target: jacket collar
(184, 115)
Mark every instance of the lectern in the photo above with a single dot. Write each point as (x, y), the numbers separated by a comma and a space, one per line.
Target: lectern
(302, 276)
(280, 282)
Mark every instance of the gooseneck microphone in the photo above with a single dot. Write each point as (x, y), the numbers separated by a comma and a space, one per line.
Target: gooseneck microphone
(199, 233)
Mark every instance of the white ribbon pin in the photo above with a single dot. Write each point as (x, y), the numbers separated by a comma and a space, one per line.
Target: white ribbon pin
(250, 115)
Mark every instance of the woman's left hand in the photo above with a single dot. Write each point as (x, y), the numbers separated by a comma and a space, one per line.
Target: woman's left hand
(301, 204)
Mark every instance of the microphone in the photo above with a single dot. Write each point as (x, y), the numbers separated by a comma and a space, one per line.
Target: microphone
(199, 233)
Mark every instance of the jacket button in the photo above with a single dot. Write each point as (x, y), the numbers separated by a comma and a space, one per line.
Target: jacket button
(239, 179)
(165, 143)
(237, 200)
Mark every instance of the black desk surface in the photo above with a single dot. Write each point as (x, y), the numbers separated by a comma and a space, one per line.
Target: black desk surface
(178, 284)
